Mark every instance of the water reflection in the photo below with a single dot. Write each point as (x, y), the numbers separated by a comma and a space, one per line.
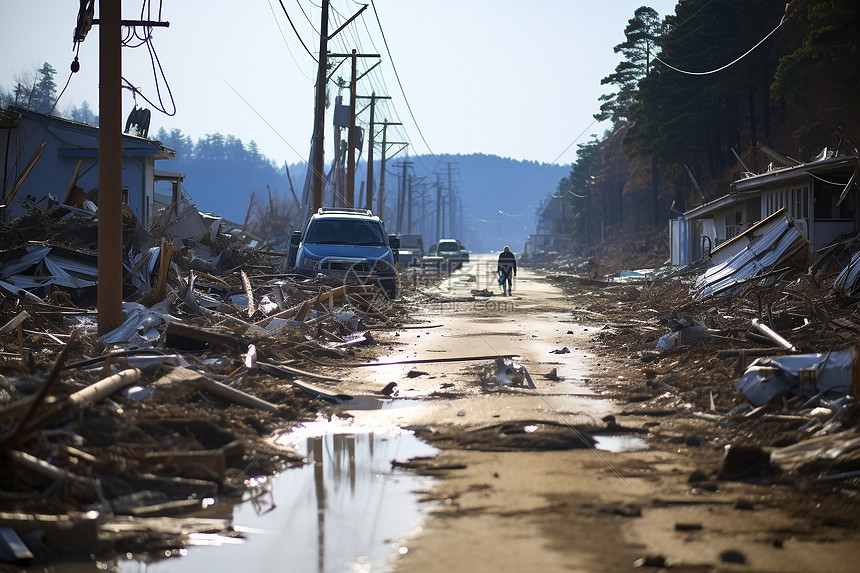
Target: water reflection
(620, 443)
(345, 510)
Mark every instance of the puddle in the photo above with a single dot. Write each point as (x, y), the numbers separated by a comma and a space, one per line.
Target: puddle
(367, 403)
(345, 510)
(620, 443)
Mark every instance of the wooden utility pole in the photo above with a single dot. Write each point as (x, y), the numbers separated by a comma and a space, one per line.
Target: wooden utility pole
(319, 113)
(385, 143)
(409, 205)
(109, 290)
(351, 140)
(381, 199)
(438, 207)
(369, 204)
(401, 203)
(450, 201)
(370, 145)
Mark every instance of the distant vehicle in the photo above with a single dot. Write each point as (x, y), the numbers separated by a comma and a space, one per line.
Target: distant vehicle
(411, 249)
(347, 243)
(446, 252)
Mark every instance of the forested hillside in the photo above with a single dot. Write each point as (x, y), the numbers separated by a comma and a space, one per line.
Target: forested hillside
(222, 175)
(697, 91)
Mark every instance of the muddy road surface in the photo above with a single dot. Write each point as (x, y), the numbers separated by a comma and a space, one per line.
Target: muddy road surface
(521, 486)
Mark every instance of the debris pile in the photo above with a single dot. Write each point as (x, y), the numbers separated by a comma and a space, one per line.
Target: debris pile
(129, 441)
(772, 367)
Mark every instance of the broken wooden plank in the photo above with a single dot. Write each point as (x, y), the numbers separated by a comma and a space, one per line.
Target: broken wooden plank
(86, 486)
(163, 267)
(315, 391)
(290, 371)
(434, 360)
(20, 180)
(73, 181)
(249, 292)
(15, 322)
(306, 306)
(207, 464)
(168, 508)
(187, 337)
(73, 533)
(21, 428)
(233, 395)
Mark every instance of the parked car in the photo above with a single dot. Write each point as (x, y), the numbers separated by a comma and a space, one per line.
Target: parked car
(411, 249)
(347, 243)
(448, 253)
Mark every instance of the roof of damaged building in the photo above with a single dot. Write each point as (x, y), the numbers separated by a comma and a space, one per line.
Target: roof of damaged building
(132, 144)
(752, 186)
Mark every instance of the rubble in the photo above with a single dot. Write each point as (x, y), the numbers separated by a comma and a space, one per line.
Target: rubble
(166, 415)
(771, 368)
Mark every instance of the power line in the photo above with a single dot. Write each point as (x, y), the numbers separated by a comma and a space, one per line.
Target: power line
(293, 26)
(286, 44)
(748, 52)
(396, 75)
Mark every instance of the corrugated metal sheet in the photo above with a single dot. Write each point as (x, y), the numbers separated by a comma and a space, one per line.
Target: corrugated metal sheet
(848, 280)
(783, 245)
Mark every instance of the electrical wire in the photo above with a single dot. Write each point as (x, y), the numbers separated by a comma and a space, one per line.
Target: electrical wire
(744, 55)
(290, 20)
(286, 44)
(396, 75)
(307, 18)
(535, 180)
(157, 69)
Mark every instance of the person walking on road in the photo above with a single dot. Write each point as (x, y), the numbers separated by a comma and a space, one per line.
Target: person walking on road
(507, 268)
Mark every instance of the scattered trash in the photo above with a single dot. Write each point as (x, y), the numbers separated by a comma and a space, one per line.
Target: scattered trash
(770, 379)
(685, 332)
(552, 375)
(510, 374)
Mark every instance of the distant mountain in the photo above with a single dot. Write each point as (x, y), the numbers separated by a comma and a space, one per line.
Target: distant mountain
(500, 196)
(497, 197)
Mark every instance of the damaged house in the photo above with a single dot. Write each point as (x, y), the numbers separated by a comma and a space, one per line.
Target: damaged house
(820, 196)
(48, 160)
(552, 233)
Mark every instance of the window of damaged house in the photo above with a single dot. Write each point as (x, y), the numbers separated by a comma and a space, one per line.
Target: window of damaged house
(794, 199)
(734, 224)
(828, 190)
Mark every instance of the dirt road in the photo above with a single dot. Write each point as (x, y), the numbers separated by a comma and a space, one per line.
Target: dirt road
(585, 509)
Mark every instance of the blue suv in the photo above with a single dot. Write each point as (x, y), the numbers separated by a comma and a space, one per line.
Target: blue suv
(350, 244)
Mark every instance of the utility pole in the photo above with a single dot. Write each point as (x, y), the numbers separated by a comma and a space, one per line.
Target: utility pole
(109, 289)
(350, 166)
(438, 206)
(402, 202)
(319, 113)
(382, 172)
(385, 143)
(351, 137)
(451, 204)
(370, 145)
(409, 206)
(370, 153)
(319, 104)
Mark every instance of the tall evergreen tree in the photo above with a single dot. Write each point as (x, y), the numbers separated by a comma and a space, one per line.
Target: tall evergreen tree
(44, 93)
(642, 33)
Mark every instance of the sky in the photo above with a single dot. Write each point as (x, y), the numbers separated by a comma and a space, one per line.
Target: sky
(499, 77)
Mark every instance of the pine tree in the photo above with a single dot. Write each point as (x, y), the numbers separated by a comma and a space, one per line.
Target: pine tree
(642, 32)
(44, 93)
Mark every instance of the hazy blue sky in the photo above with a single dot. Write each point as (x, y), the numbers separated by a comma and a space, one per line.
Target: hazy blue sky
(511, 78)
